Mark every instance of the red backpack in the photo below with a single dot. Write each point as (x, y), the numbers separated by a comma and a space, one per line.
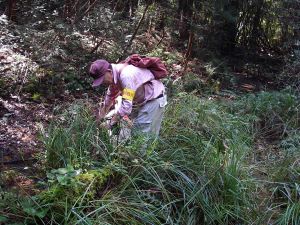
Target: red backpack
(154, 64)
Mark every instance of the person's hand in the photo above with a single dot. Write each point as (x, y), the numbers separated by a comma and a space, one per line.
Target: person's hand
(128, 122)
(115, 119)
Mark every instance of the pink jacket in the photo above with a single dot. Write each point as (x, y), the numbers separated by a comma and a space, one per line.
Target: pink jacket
(136, 85)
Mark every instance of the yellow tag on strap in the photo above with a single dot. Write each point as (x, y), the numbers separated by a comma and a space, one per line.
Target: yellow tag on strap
(128, 94)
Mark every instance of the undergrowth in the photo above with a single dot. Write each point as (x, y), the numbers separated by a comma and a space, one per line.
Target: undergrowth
(198, 172)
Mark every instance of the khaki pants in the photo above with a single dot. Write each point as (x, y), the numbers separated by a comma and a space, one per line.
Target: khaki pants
(146, 122)
(149, 117)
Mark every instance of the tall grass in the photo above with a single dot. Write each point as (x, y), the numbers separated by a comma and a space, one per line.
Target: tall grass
(276, 120)
(193, 176)
(74, 138)
(196, 173)
(206, 138)
(275, 114)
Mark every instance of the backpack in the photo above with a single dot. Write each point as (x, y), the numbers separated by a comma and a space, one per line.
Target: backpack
(154, 64)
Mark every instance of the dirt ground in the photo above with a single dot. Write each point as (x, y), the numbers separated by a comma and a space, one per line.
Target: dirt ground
(20, 122)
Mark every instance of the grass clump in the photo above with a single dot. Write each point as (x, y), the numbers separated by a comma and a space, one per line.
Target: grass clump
(275, 122)
(291, 214)
(74, 138)
(276, 113)
(203, 136)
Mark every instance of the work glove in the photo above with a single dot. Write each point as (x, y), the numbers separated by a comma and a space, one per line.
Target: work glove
(124, 120)
(127, 122)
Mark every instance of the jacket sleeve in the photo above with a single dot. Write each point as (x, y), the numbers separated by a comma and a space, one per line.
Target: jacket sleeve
(129, 85)
(111, 94)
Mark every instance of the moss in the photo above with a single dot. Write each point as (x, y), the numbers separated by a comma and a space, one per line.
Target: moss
(99, 176)
(94, 180)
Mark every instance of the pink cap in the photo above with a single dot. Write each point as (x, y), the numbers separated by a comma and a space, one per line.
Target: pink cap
(97, 71)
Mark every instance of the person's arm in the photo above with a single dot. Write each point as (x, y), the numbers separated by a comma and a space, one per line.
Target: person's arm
(111, 95)
(126, 107)
(129, 86)
(128, 94)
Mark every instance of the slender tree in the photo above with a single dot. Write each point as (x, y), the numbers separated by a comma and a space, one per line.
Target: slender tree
(185, 12)
(11, 10)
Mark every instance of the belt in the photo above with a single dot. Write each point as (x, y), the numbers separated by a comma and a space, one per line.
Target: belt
(159, 96)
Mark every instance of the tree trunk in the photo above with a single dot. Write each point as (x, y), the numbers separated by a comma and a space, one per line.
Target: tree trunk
(185, 12)
(230, 28)
(68, 8)
(84, 10)
(127, 7)
(11, 10)
(188, 52)
(255, 35)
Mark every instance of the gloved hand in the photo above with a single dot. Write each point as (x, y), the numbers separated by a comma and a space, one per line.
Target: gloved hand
(114, 125)
(128, 123)
(125, 120)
